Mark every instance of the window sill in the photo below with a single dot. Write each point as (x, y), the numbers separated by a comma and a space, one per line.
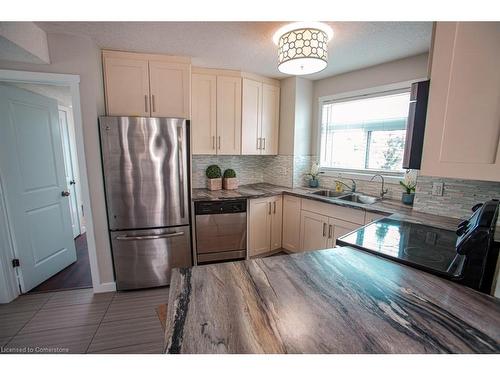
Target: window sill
(391, 177)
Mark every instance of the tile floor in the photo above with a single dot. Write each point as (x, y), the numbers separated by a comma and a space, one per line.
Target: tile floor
(78, 321)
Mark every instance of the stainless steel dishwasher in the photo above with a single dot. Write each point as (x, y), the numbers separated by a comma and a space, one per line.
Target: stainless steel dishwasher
(221, 230)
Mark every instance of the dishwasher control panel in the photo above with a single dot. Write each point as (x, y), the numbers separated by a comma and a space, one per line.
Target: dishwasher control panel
(220, 207)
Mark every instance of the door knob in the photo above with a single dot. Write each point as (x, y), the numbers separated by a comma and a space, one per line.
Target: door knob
(65, 193)
(72, 182)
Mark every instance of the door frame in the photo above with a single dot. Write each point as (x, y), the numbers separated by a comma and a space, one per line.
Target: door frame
(7, 273)
(74, 161)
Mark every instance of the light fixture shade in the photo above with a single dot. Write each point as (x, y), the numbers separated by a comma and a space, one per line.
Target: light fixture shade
(303, 51)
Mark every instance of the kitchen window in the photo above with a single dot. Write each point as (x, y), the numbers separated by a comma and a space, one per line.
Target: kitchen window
(364, 133)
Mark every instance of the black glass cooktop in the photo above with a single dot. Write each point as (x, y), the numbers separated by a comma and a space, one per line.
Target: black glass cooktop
(417, 245)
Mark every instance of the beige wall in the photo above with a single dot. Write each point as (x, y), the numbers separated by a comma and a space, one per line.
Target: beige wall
(295, 116)
(287, 116)
(79, 55)
(406, 69)
(303, 116)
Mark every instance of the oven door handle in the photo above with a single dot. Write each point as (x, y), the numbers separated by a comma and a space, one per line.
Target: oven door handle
(149, 237)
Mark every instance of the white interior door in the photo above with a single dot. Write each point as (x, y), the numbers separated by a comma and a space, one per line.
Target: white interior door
(71, 175)
(33, 177)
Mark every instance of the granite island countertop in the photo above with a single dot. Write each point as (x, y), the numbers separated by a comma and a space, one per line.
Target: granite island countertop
(328, 301)
(395, 208)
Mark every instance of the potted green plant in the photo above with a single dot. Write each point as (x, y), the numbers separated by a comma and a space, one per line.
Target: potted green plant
(314, 173)
(214, 175)
(230, 182)
(409, 184)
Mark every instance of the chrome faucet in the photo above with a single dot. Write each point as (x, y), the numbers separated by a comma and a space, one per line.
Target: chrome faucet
(352, 188)
(382, 190)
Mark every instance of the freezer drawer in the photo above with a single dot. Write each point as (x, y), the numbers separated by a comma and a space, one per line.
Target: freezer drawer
(145, 258)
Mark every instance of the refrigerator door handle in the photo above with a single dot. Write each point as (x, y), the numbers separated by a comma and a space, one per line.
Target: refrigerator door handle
(149, 237)
(180, 169)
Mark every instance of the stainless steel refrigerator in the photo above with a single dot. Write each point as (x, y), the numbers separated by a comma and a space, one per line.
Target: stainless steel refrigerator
(146, 176)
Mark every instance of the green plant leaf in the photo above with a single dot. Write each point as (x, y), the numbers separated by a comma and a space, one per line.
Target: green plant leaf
(213, 171)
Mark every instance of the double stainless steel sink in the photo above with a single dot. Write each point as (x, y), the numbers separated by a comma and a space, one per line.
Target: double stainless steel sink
(350, 197)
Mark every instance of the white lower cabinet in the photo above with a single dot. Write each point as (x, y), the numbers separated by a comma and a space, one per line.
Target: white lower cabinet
(314, 231)
(322, 223)
(338, 228)
(291, 223)
(276, 222)
(264, 225)
(298, 224)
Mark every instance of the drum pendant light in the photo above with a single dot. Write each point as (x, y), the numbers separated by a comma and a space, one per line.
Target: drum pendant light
(303, 47)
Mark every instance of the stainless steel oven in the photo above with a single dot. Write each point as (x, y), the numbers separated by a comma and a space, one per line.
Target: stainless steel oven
(221, 230)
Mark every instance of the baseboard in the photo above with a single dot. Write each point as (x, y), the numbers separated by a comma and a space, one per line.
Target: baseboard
(105, 287)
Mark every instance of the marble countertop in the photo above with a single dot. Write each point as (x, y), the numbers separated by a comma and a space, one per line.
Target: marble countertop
(328, 301)
(395, 208)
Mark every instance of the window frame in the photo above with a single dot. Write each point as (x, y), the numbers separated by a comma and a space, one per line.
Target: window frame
(361, 174)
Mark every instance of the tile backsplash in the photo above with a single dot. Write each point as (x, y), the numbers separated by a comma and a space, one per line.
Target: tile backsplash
(249, 168)
(458, 195)
(278, 170)
(290, 171)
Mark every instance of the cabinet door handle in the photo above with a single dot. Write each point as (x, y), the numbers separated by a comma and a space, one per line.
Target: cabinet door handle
(153, 103)
(146, 103)
(258, 143)
(269, 208)
(213, 142)
(274, 208)
(330, 231)
(324, 229)
(264, 147)
(218, 138)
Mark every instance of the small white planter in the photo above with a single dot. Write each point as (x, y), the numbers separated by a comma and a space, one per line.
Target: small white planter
(214, 184)
(230, 183)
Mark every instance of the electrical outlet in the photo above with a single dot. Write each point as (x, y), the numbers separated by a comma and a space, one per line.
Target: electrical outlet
(437, 188)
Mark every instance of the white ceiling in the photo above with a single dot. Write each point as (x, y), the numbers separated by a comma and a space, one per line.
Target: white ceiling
(248, 46)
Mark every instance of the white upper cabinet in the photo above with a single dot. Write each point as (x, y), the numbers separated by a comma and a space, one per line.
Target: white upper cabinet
(216, 112)
(146, 85)
(127, 86)
(260, 118)
(270, 119)
(204, 113)
(251, 117)
(462, 135)
(169, 83)
(228, 115)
